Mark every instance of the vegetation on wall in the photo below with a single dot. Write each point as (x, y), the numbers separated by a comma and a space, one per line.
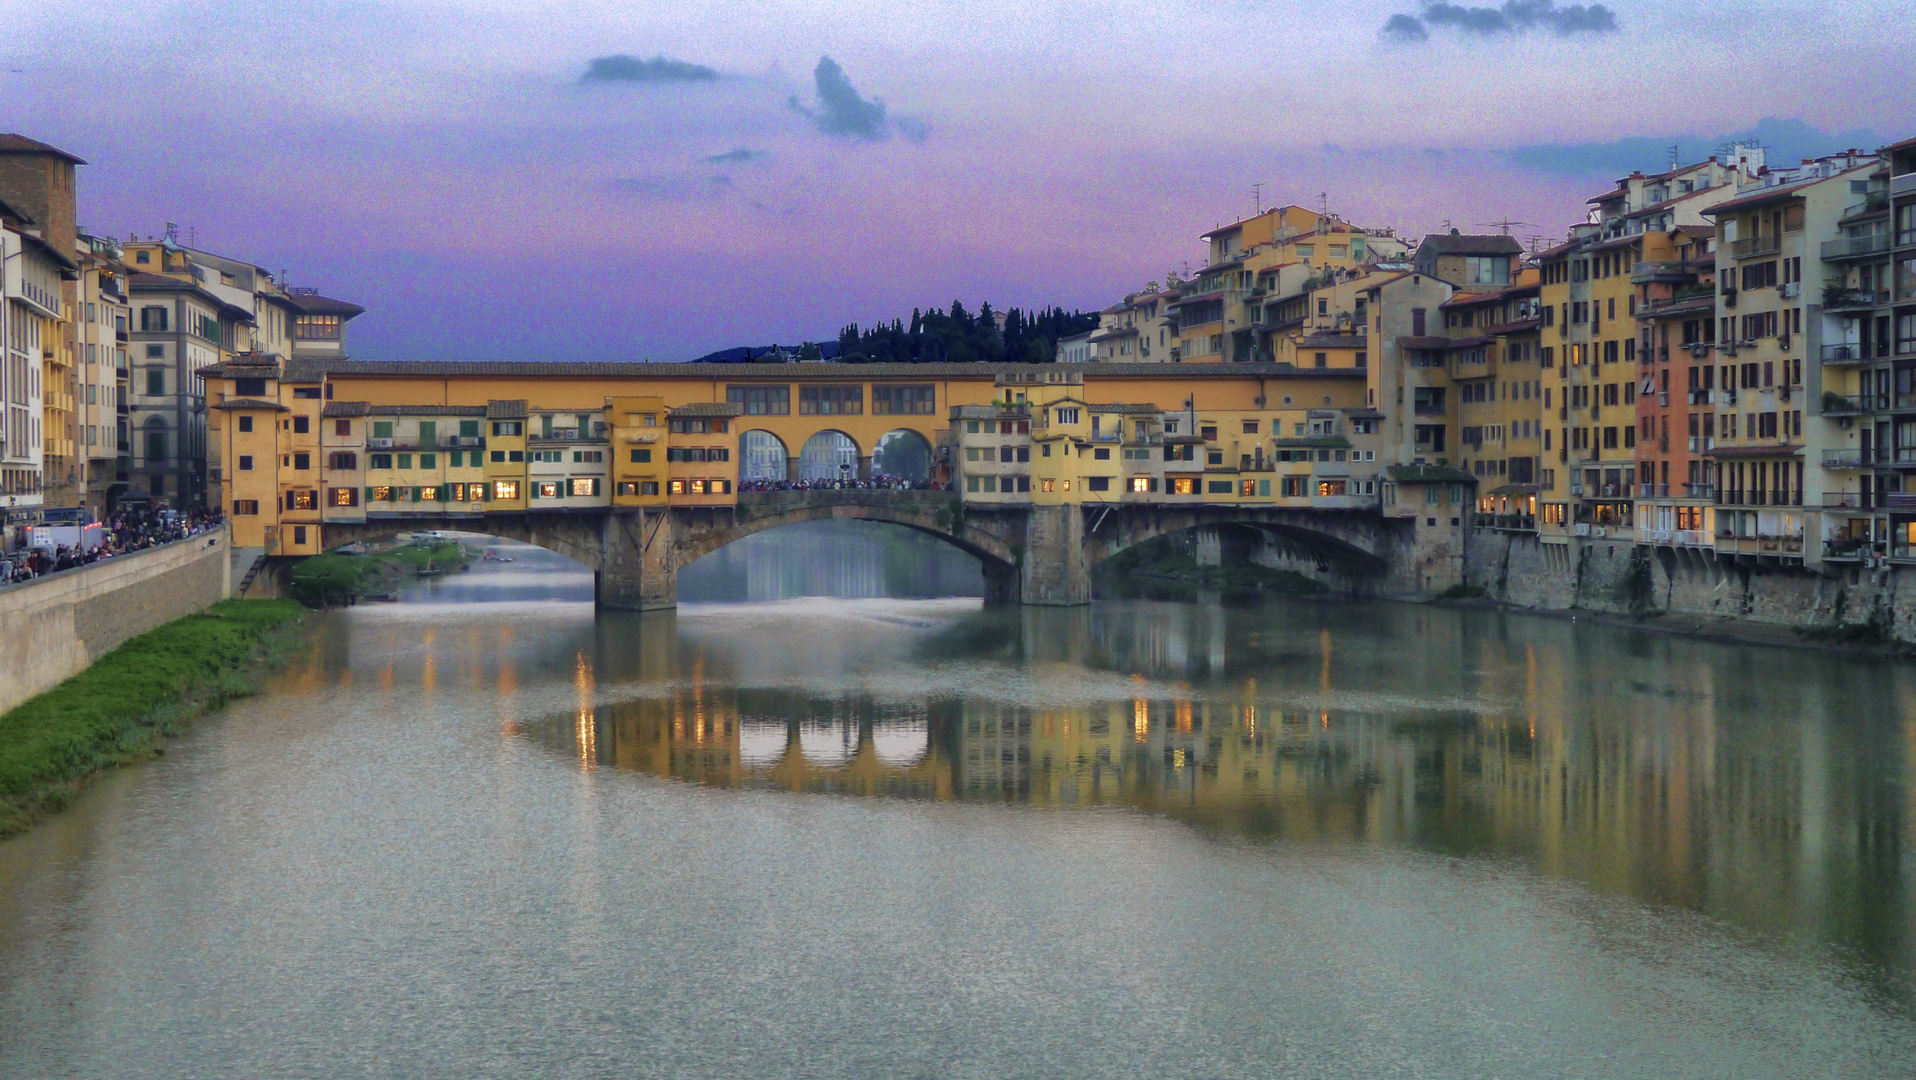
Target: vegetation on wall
(120, 707)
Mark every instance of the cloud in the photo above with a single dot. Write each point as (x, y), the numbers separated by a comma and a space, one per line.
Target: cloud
(622, 68)
(674, 187)
(1785, 142)
(740, 156)
(1513, 17)
(842, 112)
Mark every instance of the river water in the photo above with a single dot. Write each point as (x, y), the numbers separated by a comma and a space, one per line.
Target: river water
(882, 832)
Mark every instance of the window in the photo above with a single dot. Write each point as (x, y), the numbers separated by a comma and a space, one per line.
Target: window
(246, 463)
(902, 400)
(302, 461)
(677, 487)
(457, 458)
(405, 461)
(302, 425)
(505, 489)
(831, 400)
(588, 456)
(761, 400)
(379, 493)
(308, 392)
(1184, 485)
(1486, 270)
(583, 487)
(1140, 483)
(246, 507)
(641, 457)
(429, 461)
(1067, 415)
(246, 423)
(316, 328)
(545, 489)
(1098, 483)
(507, 427)
(155, 383)
(303, 499)
(497, 455)
(343, 496)
(1219, 487)
(1102, 453)
(153, 318)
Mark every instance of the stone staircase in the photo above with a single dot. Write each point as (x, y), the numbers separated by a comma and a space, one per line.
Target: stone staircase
(253, 560)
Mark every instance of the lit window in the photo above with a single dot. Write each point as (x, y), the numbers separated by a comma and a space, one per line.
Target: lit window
(1140, 483)
(429, 494)
(678, 487)
(584, 487)
(546, 489)
(698, 487)
(505, 489)
(380, 493)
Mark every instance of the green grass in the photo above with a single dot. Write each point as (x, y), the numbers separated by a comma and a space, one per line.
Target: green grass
(120, 707)
(332, 578)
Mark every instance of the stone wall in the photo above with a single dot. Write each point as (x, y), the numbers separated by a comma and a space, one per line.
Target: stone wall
(58, 625)
(1619, 577)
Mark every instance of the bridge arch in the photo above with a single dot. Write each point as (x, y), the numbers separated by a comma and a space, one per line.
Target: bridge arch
(931, 513)
(1357, 542)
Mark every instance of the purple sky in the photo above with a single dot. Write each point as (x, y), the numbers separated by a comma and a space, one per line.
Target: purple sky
(448, 166)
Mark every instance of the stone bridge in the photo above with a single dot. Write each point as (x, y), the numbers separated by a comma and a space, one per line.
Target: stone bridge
(1030, 554)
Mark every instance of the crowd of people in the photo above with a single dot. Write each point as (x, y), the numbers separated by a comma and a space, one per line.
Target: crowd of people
(122, 533)
(874, 483)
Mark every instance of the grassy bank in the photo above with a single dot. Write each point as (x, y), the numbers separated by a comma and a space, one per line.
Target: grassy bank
(1158, 559)
(119, 708)
(335, 578)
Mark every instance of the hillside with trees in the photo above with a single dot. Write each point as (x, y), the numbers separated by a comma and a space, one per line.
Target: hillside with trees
(957, 336)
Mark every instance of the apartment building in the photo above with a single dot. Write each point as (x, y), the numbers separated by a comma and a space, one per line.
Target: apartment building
(1676, 418)
(30, 313)
(1495, 356)
(40, 182)
(1135, 330)
(1790, 433)
(100, 320)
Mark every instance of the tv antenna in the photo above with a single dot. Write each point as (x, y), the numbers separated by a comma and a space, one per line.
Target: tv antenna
(1504, 225)
(1257, 198)
(1674, 156)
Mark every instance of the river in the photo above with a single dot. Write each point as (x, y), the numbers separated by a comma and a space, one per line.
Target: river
(831, 818)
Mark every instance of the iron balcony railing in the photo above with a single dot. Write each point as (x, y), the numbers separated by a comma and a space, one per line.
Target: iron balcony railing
(1753, 246)
(1843, 459)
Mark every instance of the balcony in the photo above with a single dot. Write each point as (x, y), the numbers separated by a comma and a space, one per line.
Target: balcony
(1699, 491)
(1835, 300)
(1661, 270)
(1653, 491)
(1844, 500)
(1843, 459)
(1855, 247)
(1902, 185)
(1846, 549)
(1844, 352)
(1838, 405)
(1906, 237)
(1754, 246)
(1427, 408)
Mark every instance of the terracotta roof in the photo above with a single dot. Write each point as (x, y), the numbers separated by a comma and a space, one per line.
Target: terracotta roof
(303, 371)
(1333, 341)
(1906, 144)
(1609, 196)
(1517, 327)
(1428, 474)
(238, 371)
(9, 210)
(1195, 297)
(1119, 408)
(345, 408)
(428, 410)
(1327, 442)
(708, 408)
(1464, 299)
(1114, 332)
(514, 409)
(69, 268)
(1786, 450)
(1470, 244)
(1470, 342)
(1758, 198)
(315, 304)
(1515, 489)
(11, 143)
(1408, 342)
(252, 403)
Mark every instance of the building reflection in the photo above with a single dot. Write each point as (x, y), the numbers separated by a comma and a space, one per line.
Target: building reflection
(1653, 767)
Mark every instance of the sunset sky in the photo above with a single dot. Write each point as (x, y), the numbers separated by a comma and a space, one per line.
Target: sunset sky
(626, 181)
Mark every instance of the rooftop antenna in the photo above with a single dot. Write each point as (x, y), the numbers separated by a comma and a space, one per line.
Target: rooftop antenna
(1504, 225)
(173, 231)
(1257, 198)
(1674, 156)
(1324, 203)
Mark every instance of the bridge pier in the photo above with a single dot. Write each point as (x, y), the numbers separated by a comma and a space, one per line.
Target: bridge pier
(1053, 570)
(637, 570)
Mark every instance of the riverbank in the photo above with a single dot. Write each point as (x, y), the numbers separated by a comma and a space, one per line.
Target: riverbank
(120, 708)
(1865, 641)
(337, 577)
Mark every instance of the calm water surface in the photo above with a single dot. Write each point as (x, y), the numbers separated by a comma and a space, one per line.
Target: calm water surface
(481, 832)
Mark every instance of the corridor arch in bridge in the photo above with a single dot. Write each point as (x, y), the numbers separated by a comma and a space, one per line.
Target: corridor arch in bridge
(828, 455)
(762, 456)
(904, 453)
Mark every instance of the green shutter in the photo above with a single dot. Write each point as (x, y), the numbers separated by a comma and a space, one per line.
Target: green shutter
(428, 433)
(468, 429)
(382, 429)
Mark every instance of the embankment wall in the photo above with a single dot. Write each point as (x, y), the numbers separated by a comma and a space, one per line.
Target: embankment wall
(56, 626)
(1618, 577)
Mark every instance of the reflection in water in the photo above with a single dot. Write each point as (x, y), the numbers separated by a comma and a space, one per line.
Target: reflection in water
(1293, 839)
(835, 557)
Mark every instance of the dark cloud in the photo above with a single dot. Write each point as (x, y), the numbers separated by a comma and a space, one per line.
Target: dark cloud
(1785, 142)
(740, 156)
(623, 68)
(1513, 17)
(842, 112)
(674, 187)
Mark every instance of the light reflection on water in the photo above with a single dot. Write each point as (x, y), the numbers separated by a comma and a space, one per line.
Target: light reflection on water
(1300, 839)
